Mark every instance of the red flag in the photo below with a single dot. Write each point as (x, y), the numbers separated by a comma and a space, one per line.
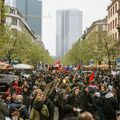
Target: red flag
(91, 77)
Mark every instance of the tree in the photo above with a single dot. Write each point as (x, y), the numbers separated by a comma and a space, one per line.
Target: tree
(3, 12)
(19, 45)
(98, 46)
(72, 56)
(14, 45)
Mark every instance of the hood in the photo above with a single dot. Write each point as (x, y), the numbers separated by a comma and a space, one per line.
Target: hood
(15, 105)
(109, 95)
(15, 83)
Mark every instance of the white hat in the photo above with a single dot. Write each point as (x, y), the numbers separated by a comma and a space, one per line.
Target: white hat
(97, 94)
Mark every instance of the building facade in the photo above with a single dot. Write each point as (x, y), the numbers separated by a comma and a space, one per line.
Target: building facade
(95, 37)
(17, 22)
(113, 20)
(32, 12)
(68, 30)
(96, 27)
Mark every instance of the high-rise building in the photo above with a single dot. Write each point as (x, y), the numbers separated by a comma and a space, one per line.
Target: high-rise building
(68, 30)
(32, 12)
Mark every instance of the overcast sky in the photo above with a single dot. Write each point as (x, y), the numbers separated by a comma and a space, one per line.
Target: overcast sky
(92, 10)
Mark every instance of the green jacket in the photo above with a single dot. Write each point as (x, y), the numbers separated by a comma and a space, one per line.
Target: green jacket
(34, 114)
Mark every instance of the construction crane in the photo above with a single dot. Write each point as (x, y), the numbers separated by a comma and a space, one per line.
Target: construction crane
(36, 16)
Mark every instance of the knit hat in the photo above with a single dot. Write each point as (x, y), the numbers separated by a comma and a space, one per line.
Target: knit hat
(67, 109)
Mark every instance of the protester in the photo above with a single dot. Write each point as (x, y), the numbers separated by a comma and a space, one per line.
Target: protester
(39, 109)
(4, 110)
(86, 116)
(109, 105)
(68, 113)
(90, 95)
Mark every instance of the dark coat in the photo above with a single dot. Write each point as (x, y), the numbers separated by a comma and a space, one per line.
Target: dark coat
(4, 112)
(73, 101)
(22, 109)
(91, 103)
(26, 99)
(83, 102)
(70, 117)
(109, 106)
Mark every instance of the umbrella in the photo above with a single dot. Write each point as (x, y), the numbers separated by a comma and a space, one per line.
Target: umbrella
(23, 66)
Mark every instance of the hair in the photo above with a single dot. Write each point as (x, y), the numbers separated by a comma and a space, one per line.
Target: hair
(5, 95)
(114, 91)
(19, 98)
(104, 86)
(86, 116)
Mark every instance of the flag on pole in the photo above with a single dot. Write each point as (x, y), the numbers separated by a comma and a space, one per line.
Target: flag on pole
(91, 77)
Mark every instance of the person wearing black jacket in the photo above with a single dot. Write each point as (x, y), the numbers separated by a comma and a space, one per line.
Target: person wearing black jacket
(109, 105)
(74, 100)
(68, 113)
(4, 112)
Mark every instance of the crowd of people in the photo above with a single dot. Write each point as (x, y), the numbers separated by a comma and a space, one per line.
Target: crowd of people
(77, 95)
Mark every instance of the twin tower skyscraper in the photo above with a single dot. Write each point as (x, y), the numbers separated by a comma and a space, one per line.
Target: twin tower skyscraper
(68, 30)
(68, 23)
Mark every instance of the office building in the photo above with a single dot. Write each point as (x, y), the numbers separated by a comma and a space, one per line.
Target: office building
(68, 30)
(32, 12)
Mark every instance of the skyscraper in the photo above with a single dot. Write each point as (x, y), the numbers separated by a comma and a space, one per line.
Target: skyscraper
(32, 11)
(68, 30)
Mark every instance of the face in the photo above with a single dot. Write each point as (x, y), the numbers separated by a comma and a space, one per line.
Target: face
(77, 91)
(39, 97)
(25, 89)
(43, 96)
(8, 98)
(25, 83)
(102, 88)
(14, 96)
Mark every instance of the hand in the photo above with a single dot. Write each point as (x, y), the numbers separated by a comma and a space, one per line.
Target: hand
(76, 109)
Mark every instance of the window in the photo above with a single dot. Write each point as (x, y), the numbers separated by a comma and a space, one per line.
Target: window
(15, 30)
(116, 7)
(108, 14)
(12, 11)
(111, 26)
(113, 10)
(108, 27)
(115, 22)
(115, 36)
(14, 21)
